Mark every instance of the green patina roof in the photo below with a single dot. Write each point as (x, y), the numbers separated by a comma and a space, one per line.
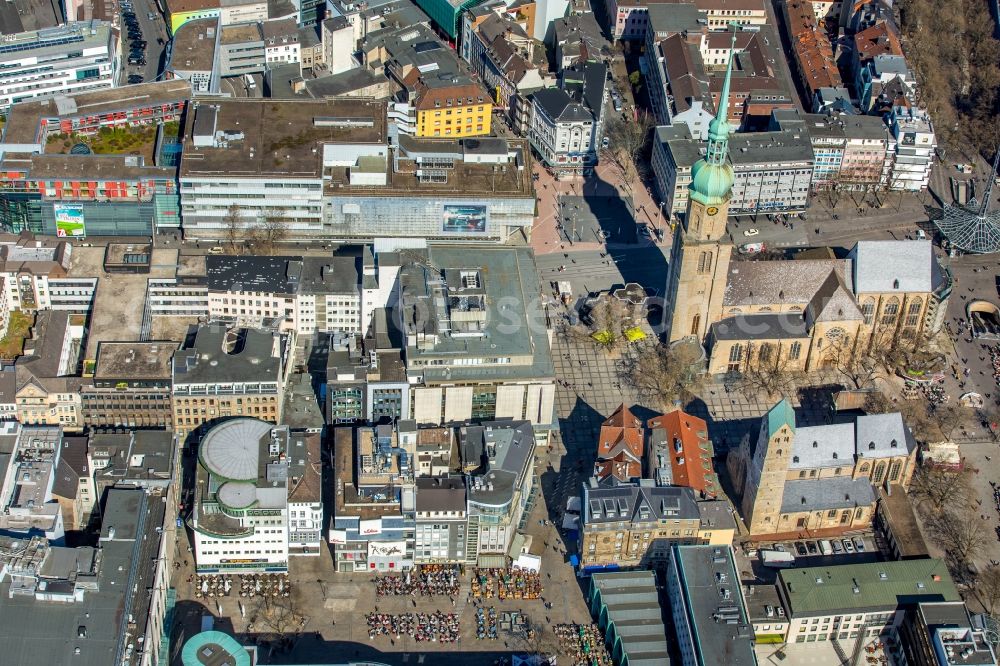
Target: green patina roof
(780, 415)
(879, 585)
(214, 648)
(711, 183)
(712, 176)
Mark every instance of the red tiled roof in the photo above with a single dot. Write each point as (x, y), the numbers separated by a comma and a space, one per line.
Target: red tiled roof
(620, 446)
(691, 466)
(621, 428)
(880, 39)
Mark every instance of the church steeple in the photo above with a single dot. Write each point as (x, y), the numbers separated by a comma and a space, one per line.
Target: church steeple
(712, 176)
(719, 129)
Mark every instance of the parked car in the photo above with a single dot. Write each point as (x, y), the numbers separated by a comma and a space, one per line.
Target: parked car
(811, 547)
(837, 548)
(135, 78)
(825, 547)
(151, 16)
(859, 543)
(800, 548)
(848, 546)
(751, 232)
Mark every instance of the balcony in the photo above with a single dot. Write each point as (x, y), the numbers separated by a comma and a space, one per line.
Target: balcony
(210, 521)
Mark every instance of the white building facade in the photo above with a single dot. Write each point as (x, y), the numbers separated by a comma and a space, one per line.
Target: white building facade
(915, 146)
(240, 519)
(76, 57)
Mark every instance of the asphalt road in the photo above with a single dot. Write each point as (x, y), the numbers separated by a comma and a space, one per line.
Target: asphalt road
(152, 30)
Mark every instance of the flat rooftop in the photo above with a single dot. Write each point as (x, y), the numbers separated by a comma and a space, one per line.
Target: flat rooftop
(240, 33)
(280, 138)
(24, 15)
(128, 253)
(55, 41)
(194, 46)
(253, 356)
(117, 307)
(707, 575)
(509, 281)
(34, 632)
(24, 120)
(347, 502)
(868, 587)
(139, 360)
(86, 167)
(506, 179)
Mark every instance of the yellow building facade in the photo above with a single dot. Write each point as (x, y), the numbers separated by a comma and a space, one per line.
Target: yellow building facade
(453, 112)
(801, 479)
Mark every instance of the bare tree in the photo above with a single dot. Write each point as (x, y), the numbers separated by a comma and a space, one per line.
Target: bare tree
(901, 350)
(961, 538)
(936, 487)
(769, 372)
(881, 353)
(854, 362)
(986, 590)
(276, 619)
(627, 143)
(606, 321)
(664, 373)
(832, 190)
(877, 402)
(234, 226)
(267, 233)
(949, 417)
(274, 228)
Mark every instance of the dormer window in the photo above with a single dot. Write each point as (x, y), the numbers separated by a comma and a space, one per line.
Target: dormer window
(893, 444)
(895, 284)
(815, 445)
(834, 455)
(795, 459)
(871, 446)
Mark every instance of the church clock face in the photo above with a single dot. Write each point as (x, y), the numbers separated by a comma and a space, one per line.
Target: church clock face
(712, 210)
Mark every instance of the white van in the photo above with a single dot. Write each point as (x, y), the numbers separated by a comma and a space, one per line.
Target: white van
(825, 547)
(250, 82)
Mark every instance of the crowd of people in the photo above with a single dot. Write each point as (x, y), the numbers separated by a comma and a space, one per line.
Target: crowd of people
(251, 585)
(583, 643)
(995, 360)
(265, 585)
(426, 580)
(506, 584)
(486, 623)
(434, 627)
(212, 585)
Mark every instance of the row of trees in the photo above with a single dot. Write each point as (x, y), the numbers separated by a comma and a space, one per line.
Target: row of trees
(667, 374)
(957, 60)
(952, 520)
(262, 234)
